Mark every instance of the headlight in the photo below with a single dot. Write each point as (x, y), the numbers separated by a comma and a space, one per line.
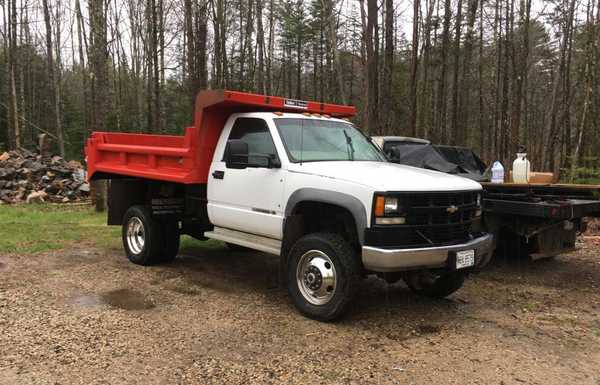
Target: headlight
(388, 211)
(390, 205)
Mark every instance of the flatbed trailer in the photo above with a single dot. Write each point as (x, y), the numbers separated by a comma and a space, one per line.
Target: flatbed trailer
(551, 201)
(540, 220)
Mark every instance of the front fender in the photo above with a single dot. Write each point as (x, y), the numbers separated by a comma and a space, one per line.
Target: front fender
(349, 202)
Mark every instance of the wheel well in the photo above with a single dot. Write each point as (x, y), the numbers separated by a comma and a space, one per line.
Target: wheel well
(319, 217)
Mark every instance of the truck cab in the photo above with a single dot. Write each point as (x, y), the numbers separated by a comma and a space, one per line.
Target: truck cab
(298, 180)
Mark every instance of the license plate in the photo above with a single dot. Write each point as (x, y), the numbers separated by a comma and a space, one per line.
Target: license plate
(465, 258)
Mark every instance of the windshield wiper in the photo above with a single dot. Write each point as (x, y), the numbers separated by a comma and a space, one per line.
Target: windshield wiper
(349, 146)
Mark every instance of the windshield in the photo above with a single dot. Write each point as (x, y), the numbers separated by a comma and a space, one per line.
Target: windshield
(311, 140)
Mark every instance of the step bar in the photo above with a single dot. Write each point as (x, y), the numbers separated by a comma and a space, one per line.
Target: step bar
(252, 241)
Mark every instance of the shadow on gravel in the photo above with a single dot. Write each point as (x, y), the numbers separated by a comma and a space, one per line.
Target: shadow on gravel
(224, 271)
(379, 307)
(559, 272)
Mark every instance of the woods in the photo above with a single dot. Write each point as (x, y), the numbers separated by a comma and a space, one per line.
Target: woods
(490, 75)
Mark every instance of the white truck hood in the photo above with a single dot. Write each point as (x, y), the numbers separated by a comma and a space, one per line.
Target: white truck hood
(384, 176)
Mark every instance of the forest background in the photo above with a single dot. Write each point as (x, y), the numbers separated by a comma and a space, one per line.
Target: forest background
(486, 74)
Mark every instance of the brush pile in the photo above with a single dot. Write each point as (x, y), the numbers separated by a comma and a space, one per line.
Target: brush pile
(27, 177)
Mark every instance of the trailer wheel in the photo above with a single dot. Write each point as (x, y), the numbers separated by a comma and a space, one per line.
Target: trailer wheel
(142, 236)
(322, 274)
(170, 234)
(435, 286)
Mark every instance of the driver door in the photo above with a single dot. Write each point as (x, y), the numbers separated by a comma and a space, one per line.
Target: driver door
(248, 199)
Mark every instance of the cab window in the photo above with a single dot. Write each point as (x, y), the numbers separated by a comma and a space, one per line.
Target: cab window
(256, 133)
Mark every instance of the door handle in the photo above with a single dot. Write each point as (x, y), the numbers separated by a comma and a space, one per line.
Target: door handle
(218, 174)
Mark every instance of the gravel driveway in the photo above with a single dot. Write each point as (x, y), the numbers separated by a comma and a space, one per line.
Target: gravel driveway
(88, 316)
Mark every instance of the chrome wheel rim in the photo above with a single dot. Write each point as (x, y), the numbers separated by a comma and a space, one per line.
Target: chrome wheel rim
(316, 277)
(136, 236)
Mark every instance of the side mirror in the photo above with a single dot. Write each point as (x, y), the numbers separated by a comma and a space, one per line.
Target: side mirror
(236, 154)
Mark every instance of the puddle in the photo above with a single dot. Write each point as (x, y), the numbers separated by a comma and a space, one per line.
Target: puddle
(87, 301)
(121, 298)
(127, 299)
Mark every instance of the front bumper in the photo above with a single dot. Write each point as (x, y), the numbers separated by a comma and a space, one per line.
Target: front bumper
(390, 260)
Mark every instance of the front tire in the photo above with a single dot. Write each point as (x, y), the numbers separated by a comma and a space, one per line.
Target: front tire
(435, 286)
(322, 274)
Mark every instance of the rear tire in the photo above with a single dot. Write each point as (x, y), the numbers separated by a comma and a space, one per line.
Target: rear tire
(323, 271)
(147, 241)
(435, 286)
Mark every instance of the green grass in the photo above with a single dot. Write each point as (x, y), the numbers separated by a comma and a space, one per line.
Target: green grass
(37, 228)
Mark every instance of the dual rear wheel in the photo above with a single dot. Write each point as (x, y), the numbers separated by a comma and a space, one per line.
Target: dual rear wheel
(146, 240)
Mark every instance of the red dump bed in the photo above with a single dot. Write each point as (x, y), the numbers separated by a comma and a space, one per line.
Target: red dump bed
(186, 159)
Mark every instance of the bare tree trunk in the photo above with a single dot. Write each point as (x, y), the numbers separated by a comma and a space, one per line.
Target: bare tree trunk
(270, 48)
(457, 135)
(13, 110)
(414, 65)
(99, 62)
(201, 35)
(521, 66)
(462, 120)
(84, 75)
(260, 40)
(371, 42)
(552, 128)
(483, 149)
(155, 49)
(582, 123)
(53, 76)
(442, 103)
(190, 50)
(426, 95)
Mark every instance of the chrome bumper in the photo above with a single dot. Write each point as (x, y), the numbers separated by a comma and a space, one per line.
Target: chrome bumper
(389, 260)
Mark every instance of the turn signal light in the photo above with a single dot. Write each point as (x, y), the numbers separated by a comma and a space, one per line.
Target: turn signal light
(379, 206)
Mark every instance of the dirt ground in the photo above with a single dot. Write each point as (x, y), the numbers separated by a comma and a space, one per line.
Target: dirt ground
(88, 316)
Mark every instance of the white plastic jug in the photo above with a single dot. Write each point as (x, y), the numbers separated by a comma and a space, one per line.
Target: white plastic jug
(521, 168)
(497, 172)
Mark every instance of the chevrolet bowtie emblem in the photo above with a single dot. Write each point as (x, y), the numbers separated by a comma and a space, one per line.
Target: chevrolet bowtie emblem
(452, 209)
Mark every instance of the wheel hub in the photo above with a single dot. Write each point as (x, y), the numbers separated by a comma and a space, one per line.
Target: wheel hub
(316, 277)
(136, 237)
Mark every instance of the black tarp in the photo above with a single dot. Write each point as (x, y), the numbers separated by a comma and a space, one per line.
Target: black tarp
(449, 159)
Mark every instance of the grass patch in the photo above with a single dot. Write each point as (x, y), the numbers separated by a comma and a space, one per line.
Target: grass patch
(37, 228)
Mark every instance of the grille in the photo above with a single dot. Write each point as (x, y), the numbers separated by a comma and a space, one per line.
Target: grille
(429, 222)
(440, 208)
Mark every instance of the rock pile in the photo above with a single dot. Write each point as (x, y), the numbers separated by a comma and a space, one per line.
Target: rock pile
(26, 177)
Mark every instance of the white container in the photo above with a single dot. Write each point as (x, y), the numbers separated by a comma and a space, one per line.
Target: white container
(521, 168)
(497, 172)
